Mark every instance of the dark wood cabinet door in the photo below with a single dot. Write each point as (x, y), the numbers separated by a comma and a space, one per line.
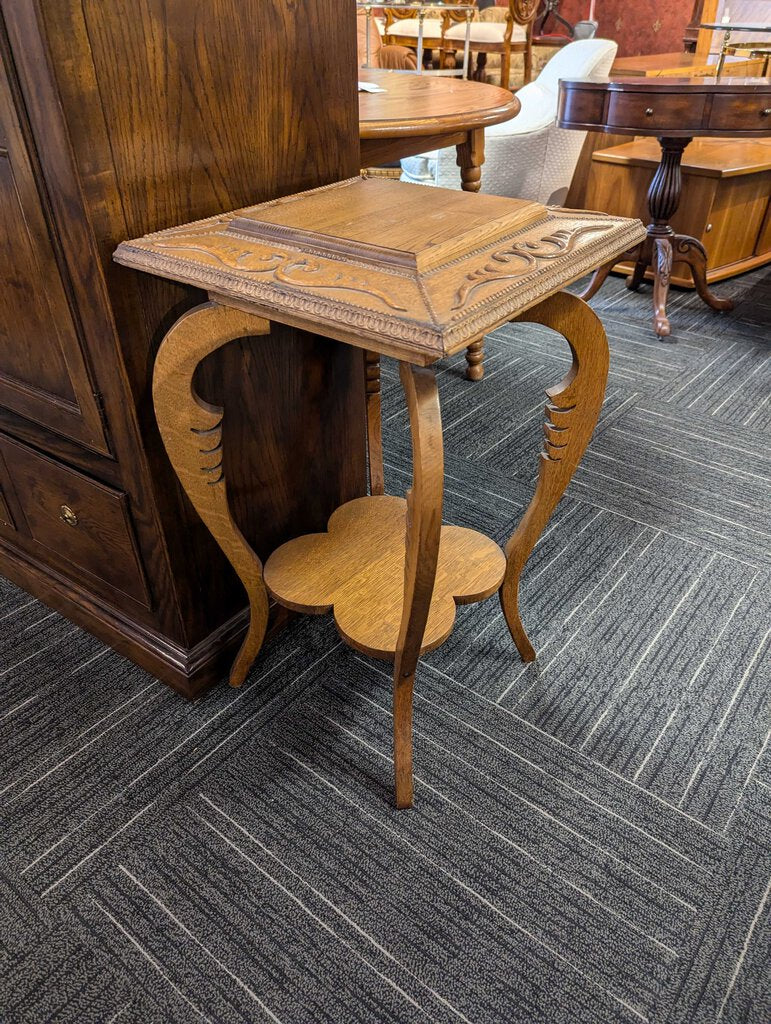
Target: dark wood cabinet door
(43, 374)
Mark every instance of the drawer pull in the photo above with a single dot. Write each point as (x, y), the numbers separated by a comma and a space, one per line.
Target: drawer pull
(68, 516)
(766, 112)
(649, 111)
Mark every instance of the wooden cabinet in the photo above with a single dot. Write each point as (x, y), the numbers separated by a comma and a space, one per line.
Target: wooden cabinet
(43, 371)
(117, 119)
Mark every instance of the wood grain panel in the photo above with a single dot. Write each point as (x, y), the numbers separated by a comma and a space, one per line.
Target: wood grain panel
(43, 373)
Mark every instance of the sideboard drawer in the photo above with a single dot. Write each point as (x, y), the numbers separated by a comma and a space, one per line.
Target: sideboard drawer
(736, 113)
(649, 110)
(78, 519)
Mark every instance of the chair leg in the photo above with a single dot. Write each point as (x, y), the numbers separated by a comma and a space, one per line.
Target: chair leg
(528, 61)
(505, 67)
(475, 355)
(424, 523)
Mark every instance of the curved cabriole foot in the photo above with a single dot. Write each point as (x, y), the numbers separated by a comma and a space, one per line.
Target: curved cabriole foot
(662, 248)
(571, 416)
(192, 434)
(691, 251)
(424, 523)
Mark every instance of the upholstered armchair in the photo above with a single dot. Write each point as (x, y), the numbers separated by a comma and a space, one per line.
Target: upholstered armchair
(528, 157)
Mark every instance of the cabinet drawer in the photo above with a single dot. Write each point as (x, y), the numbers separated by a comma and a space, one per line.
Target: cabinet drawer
(652, 110)
(82, 521)
(741, 113)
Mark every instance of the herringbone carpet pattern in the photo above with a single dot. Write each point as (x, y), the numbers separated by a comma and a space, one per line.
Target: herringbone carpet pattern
(591, 840)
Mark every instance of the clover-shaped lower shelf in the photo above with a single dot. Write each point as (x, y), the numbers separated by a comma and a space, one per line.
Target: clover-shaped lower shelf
(356, 569)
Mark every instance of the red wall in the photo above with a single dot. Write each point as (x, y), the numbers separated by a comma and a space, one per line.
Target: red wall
(638, 26)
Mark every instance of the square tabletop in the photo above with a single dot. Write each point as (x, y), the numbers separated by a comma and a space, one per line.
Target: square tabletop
(400, 269)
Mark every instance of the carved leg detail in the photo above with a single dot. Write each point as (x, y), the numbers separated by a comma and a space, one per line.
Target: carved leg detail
(691, 251)
(475, 354)
(424, 521)
(471, 156)
(571, 415)
(374, 424)
(663, 268)
(192, 434)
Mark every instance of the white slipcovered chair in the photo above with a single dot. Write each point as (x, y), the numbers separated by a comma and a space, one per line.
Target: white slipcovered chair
(528, 157)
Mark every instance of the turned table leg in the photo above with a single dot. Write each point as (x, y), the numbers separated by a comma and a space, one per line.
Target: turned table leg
(374, 424)
(424, 521)
(471, 156)
(475, 355)
(571, 415)
(191, 430)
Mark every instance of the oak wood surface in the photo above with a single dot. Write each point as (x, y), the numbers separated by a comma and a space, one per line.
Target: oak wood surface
(356, 569)
(192, 434)
(428, 105)
(374, 222)
(418, 113)
(689, 65)
(395, 310)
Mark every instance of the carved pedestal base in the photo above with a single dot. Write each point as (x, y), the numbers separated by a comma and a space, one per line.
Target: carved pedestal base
(663, 247)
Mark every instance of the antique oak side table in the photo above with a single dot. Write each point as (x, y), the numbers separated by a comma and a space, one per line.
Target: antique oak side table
(674, 110)
(417, 283)
(418, 113)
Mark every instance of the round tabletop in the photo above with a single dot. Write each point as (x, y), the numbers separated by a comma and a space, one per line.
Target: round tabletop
(415, 105)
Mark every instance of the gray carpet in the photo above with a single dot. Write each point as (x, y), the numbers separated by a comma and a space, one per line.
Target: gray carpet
(591, 840)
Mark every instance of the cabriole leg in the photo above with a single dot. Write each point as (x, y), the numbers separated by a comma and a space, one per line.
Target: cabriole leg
(424, 521)
(571, 415)
(192, 434)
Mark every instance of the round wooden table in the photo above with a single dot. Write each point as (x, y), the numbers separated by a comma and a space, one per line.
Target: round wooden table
(673, 110)
(418, 113)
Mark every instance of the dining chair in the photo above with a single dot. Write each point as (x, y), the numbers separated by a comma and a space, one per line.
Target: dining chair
(512, 35)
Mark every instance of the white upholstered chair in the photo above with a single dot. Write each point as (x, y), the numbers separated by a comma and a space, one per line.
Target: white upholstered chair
(528, 157)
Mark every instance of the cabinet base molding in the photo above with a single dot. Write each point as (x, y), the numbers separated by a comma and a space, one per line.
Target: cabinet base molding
(189, 671)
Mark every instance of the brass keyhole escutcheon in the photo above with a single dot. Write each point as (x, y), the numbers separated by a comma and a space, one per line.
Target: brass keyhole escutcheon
(68, 516)
(649, 111)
